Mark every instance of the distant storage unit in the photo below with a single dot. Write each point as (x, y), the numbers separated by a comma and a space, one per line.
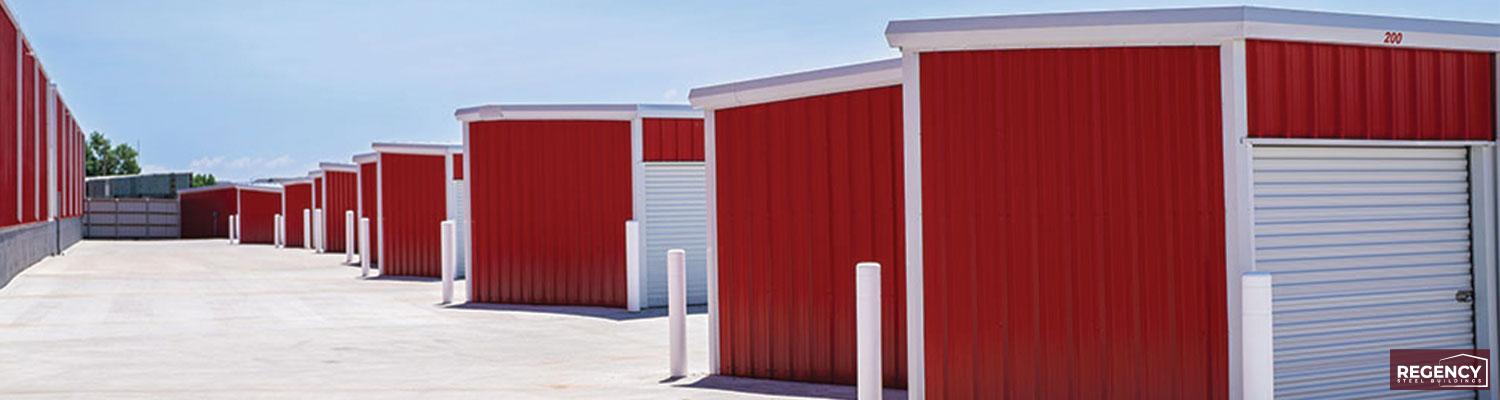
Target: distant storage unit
(205, 211)
(339, 193)
(158, 186)
(297, 198)
(1194, 203)
(552, 189)
(804, 183)
(367, 200)
(413, 197)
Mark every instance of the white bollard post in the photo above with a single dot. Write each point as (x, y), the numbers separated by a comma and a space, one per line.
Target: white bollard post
(867, 321)
(364, 247)
(632, 266)
(318, 230)
(234, 230)
(307, 229)
(448, 234)
(276, 231)
(348, 237)
(677, 309)
(1258, 374)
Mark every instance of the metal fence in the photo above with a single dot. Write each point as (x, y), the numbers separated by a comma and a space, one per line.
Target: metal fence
(143, 218)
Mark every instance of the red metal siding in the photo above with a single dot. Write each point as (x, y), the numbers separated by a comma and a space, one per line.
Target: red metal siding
(550, 203)
(1324, 91)
(1073, 224)
(317, 193)
(206, 214)
(370, 207)
(298, 198)
(458, 167)
(30, 151)
(807, 188)
(415, 209)
(672, 139)
(40, 102)
(8, 143)
(258, 216)
(341, 199)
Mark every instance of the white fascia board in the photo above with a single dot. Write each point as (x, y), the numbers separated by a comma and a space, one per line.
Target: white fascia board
(432, 149)
(338, 167)
(364, 158)
(314, 174)
(259, 188)
(226, 186)
(574, 112)
(798, 85)
(297, 181)
(1184, 26)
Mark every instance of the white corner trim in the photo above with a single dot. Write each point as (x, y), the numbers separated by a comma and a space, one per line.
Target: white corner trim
(712, 202)
(798, 85)
(1239, 218)
(417, 148)
(911, 150)
(338, 167)
(364, 158)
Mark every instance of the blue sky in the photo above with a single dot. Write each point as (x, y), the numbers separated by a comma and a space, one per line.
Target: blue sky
(253, 88)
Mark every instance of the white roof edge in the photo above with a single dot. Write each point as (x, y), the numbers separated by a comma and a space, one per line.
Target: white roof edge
(588, 112)
(798, 85)
(340, 167)
(222, 186)
(417, 148)
(365, 158)
(1205, 25)
(296, 181)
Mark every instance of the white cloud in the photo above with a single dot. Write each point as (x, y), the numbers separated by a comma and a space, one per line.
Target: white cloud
(241, 168)
(671, 95)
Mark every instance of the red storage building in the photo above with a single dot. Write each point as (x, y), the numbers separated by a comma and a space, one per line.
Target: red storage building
(1194, 203)
(297, 195)
(553, 187)
(339, 191)
(205, 211)
(258, 206)
(413, 193)
(366, 201)
(805, 182)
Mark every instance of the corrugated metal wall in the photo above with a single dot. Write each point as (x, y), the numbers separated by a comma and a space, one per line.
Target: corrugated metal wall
(342, 196)
(42, 83)
(550, 203)
(258, 216)
(1073, 223)
(206, 214)
(414, 210)
(31, 149)
(9, 146)
(298, 198)
(806, 189)
(1308, 90)
(672, 139)
(370, 207)
(458, 166)
(317, 187)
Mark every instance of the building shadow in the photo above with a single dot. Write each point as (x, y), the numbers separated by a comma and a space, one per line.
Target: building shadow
(769, 387)
(608, 313)
(398, 278)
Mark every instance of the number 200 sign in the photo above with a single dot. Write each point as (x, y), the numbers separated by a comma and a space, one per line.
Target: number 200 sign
(1393, 38)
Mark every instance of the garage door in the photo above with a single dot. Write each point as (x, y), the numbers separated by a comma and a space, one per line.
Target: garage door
(1369, 251)
(676, 218)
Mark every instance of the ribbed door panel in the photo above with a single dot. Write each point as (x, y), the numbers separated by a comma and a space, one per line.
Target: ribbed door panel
(341, 198)
(1366, 247)
(370, 207)
(1073, 224)
(676, 218)
(550, 203)
(1326, 91)
(807, 188)
(258, 216)
(206, 214)
(415, 207)
(298, 198)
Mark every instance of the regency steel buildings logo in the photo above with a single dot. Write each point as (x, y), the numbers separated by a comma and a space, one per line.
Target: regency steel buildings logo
(1447, 369)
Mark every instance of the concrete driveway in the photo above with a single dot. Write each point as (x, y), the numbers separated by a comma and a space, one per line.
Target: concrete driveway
(204, 319)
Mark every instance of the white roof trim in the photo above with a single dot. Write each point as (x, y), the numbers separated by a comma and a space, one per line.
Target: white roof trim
(223, 186)
(1184, 26)
(584, 112)
(338, 167)
(798, 85)
(296, 181)
(366, 158)
(434, 149)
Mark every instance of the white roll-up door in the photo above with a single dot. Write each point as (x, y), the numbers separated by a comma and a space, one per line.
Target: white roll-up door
(676, 218)
(1369, 251)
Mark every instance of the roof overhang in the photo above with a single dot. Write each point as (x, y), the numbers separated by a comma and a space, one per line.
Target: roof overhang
(1185, 26)
(574, 112)
(338, 167)
(798, 85)
(224, 186)
(295, 181)
(366, 158)
(432, 149)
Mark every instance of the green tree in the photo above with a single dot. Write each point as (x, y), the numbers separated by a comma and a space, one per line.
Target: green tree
(104, 158)
(201, 180)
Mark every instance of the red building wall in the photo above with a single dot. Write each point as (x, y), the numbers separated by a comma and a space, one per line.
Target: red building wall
(205, 214)
(317, 187)
(342, 192)
(458, 166)
(1325, 91)
(41, 118)
(31, 153)
(550, 203)
(371, 207)
(1073, 223)
(807, 188)
(415, 197)
(257, 213)
(672, 139)
(8, 143)
(298, 198)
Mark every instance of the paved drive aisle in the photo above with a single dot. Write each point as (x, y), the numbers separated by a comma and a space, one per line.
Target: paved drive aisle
(203, 319)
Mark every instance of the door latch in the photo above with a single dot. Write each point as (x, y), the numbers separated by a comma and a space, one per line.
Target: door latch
(1464, 296)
